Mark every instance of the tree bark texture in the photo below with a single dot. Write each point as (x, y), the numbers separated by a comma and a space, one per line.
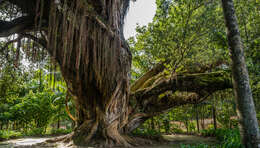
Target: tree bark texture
(246, 108)
(95, 62)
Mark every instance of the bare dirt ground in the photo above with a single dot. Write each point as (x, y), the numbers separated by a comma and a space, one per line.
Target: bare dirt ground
(172, 141)
(23, 142)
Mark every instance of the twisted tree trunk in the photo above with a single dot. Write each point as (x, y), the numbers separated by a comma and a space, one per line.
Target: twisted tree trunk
(95, 62)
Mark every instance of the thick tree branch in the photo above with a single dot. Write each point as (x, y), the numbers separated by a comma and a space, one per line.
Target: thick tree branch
(175, 91)
(155, 106)
(19, 25)
(158, 105)
(200, 83)
(40, 41)
(153, 72)
(151, 75)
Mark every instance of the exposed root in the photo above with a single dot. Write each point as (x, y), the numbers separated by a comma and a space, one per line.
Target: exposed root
(92, 131)
(114, 140)
(90, 134)
(64, 138)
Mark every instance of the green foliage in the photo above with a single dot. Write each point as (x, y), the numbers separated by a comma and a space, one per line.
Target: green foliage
(4, 135)
(189, 34)
(60, 131)
(34, 107)
(146, 132)
(229, 138)
(176, 129)
(28, 104)
(35, 132)
(195, 146)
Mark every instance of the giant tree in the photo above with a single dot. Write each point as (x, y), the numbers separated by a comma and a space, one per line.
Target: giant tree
(85, 38)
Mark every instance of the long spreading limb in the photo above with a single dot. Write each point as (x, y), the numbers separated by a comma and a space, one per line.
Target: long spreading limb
(199, 83)
(173, 92)
(18, 25)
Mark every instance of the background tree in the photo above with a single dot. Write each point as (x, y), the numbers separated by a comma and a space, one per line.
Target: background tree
(246, 108)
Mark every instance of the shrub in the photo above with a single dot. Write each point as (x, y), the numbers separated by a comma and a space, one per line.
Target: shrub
(35, 132)
(229, 138)
(7, 134)
(60, 131)
(195, 146)
(176, 129)
(146, 132)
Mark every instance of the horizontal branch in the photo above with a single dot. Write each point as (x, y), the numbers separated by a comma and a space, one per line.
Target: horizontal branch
(18, 25)
(201, 84)
(176, 91)
(40, 41)
(155, 106)
(159, 105)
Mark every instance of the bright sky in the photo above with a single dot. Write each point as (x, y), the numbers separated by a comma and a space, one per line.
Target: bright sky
(141, 12)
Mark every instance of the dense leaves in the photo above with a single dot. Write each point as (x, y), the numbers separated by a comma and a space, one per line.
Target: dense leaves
(190, 36)
(28, 102)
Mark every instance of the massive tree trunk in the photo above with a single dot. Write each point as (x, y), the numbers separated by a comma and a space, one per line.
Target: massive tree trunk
(246, 109)
(95, 62)
(86, 39)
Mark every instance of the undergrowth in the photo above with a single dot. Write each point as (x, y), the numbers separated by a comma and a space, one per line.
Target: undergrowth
(5, 135)
(229, 138)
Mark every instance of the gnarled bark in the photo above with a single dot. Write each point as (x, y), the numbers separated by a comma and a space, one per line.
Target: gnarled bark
(95, 63)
